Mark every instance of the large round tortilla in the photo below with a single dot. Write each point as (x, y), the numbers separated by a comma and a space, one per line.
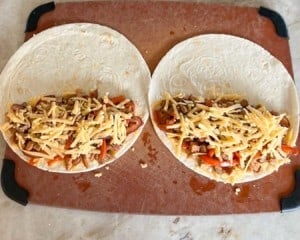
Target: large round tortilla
(76, 56)
(217, 64)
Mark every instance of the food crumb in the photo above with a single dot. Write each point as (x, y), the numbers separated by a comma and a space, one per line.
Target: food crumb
(187, 236)
(237, 191)
(132, 149)
(146, 51)
(143, 164)
(98, 174)
(226, 233)
(107, 167)
(176, 220)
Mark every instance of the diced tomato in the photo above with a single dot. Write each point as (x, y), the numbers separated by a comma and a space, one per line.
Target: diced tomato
(185, 145)
(68, 142)
(235, 162)
(163, 119)
(158, 120)
(257, 155)
(118, 99)
(54, 160)
(211, 152)
(171, 120)
(208, 102)
(133, 124)
(213, 161)
(290, 150)
(130, 106)
(103, 151)
(237, 156)
(33, 161)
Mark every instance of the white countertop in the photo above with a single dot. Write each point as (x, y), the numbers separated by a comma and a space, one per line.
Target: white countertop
(38, 222)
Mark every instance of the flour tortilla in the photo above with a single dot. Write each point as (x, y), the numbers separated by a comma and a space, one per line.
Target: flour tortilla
(216, 64)
(76, 56)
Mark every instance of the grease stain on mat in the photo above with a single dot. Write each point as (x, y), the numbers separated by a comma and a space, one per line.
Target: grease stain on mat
(243, 195)
(200, 188)
(83, 186)
(146, 138)
(77, 176)
(55, 177)
(152, 152)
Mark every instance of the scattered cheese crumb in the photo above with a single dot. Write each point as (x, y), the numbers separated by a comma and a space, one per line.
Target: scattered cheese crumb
(107, 167)
(237, 191)
(143, 164)
(98, 174)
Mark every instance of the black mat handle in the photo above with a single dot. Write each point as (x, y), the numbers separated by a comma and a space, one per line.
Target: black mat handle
(277, 20)
(292, 202)
(9, 185)
(36, 13)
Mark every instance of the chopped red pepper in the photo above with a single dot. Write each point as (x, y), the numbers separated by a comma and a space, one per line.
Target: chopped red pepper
(103, 151)
(68, 142)
(216, 162)
(290, 150)
(118, 99)
(210, 160)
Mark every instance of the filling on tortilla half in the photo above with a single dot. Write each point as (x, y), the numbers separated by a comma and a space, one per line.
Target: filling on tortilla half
(71, 129)
(81, 56)
(215, 65)
(225, 135)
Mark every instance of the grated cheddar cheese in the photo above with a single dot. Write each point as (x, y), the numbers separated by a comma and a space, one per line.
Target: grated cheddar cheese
(225, 133)
(73, 128)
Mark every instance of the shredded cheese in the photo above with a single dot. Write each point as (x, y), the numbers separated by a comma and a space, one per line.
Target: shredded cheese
(228, 129)
(48, 123)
